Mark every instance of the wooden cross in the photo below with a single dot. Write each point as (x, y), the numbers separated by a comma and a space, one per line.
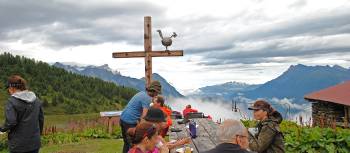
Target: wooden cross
(148, 53)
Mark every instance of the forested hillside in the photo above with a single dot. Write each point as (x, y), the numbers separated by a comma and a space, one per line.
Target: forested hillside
(63, 92)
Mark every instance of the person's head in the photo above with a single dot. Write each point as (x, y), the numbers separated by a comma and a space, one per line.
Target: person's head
(16, 83)
(154, 89)
(156, 116)
(188, 106)
(233, 131)
(159, 101)
(144, 134)
(262, 110)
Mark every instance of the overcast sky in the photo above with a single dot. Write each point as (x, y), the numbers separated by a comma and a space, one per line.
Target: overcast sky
(250, 41)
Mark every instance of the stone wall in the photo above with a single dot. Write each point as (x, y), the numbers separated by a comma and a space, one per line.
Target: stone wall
(326, 114)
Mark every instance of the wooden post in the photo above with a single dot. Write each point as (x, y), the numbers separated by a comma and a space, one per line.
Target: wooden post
(110, 126)
(346, 117)
(148, 50)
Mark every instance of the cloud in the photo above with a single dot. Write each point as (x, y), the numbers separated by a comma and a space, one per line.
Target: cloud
(318, 23)
(216, 109)
(220, 109)
(248, 41)
(298, 4)
(61, 24)
(223, 33)
(317, 33)
(266, 51)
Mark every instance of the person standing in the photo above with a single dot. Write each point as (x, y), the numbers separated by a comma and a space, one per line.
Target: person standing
(136, 109)
(24, 117)
(269, 138)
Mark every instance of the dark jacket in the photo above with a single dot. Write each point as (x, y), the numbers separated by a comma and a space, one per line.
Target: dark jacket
(24, 119)
(269, 138)
(227, 148)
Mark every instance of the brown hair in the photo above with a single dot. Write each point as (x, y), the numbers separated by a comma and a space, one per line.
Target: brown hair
(17, 82)
(142, 130)
(160, 99)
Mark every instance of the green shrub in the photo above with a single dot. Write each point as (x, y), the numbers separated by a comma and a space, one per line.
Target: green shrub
(95, 133)
(60, 138)
(312, 139)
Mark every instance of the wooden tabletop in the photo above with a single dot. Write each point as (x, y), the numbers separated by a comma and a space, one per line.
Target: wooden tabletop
(206, 135)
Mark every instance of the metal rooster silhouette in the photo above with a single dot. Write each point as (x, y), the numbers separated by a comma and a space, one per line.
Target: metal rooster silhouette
(166, 41)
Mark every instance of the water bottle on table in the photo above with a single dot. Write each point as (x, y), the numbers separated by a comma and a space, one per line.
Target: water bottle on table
(193, 129)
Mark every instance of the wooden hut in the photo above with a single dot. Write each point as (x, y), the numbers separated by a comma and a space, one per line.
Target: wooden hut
(331, 105)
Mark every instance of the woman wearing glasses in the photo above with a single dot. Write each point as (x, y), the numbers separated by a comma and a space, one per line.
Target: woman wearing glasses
(145, 137)
(268, 139)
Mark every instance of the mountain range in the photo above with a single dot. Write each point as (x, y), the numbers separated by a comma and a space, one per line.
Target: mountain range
(226, 90)
(105, 73)
(294, 83)
(300, 80)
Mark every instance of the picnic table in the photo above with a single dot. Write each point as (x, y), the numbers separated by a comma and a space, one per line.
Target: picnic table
(206, 134)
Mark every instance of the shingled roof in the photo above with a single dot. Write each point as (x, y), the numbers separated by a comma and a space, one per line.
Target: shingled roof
(339, 94)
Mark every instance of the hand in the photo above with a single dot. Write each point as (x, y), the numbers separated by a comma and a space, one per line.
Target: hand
(164, 149)
(186, 140)
(178, 143)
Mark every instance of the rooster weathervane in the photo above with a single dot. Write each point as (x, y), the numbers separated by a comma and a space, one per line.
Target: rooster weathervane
(166, 41)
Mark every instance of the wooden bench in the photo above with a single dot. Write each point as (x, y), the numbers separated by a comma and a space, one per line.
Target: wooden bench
(206, 135)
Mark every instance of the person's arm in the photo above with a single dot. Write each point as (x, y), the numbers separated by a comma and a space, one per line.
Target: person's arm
(144, 112)
(178, 143)
(41, 119)
(10, 118)
(145, 103)
(264, 139)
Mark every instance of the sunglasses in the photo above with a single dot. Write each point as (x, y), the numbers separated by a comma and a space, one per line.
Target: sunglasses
(8, 85)
(256, 110)
(149, 131)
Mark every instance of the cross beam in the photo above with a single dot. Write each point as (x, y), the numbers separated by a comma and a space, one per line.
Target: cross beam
(143, 54)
